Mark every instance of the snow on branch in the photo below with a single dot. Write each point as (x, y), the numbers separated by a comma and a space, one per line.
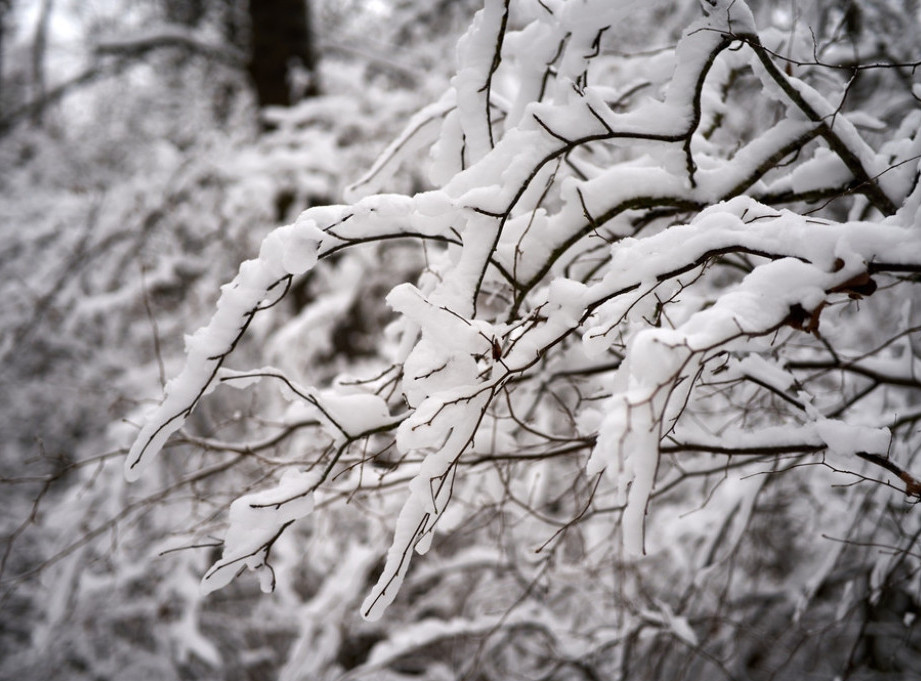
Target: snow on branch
(612, 262)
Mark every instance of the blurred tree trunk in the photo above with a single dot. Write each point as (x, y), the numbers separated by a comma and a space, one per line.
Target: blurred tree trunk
(39, 43)
(280, 40)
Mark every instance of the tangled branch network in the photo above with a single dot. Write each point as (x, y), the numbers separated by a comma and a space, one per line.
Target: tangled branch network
(656, 269)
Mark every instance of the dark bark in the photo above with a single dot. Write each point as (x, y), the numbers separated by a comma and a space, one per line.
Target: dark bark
(280, 38)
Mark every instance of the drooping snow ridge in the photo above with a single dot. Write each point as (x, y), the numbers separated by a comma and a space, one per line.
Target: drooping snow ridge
(451, 419)
(661, 364)
(743, 224)
(288, 250)
(256, 521)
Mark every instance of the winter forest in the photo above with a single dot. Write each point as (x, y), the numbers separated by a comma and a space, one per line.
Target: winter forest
(492, 340)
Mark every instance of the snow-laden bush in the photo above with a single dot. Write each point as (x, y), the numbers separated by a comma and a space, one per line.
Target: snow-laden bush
(647, 395)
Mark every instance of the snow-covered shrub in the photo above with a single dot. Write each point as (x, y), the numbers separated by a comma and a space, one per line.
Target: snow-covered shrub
(637, 370)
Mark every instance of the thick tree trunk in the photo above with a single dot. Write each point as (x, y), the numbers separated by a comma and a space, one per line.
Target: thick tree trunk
(280, 39)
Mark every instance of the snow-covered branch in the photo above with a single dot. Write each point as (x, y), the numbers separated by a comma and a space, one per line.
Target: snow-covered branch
(645, 288)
